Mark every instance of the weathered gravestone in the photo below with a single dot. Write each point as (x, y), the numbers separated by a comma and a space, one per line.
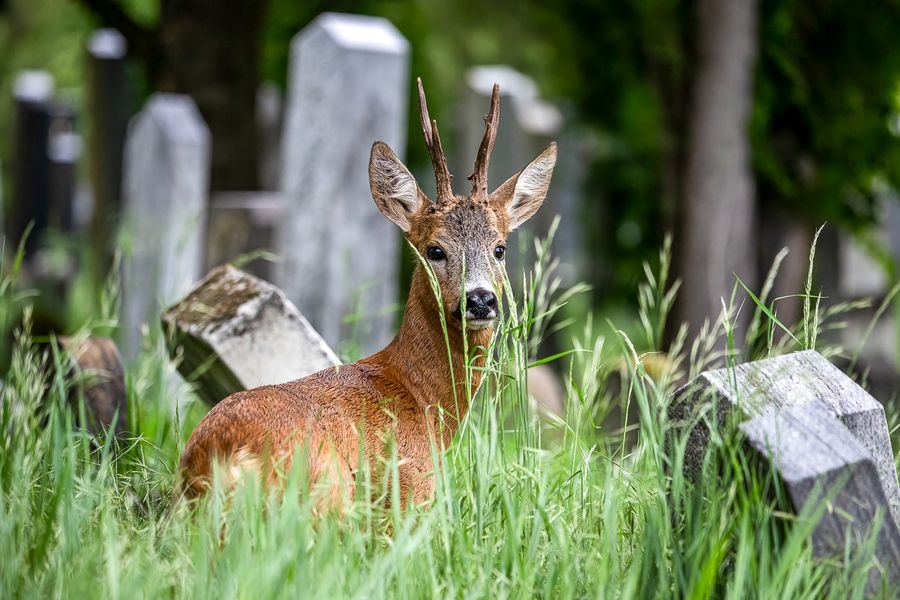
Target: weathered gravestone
(348, 87)
(825, 436)
(63, 154)
(167, 157)
(33, 96)
(46, 150)
(46, 153)
(109, 103)
(234, 332)
(242, 223)
(527, 125)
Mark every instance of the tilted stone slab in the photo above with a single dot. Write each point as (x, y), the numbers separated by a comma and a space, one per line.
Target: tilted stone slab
(820, 461)
(234, 332)
(816, 427)
(788, 381)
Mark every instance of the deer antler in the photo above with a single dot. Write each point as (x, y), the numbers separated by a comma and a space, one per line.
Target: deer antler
(442, 174)
(479, 176)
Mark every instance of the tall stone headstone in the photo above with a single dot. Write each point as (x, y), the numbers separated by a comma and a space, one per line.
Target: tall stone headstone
(33, 96)
(110, 106)
(348, 87)
(860, 275)
(63, 153)
(46, 153)
(569, 204)
(779, 229)
(527, 125)
(167, 154)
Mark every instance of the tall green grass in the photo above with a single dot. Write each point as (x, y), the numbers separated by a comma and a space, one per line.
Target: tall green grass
(561, 507)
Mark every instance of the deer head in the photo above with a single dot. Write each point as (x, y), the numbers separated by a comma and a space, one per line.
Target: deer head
(462, 237)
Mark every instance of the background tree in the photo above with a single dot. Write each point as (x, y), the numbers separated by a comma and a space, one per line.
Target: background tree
(209, 49)
(718, 204)
(823, 124)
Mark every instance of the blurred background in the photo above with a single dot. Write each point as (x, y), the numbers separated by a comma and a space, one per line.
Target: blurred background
(737, 126)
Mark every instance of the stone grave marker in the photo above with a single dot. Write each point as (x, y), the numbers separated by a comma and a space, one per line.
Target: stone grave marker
(167, 154)
(234, 332)
(63, 153)
(46, 153)
(823, 463)
(825, 436)
(53, 270)
(33, 95)
(110, 107)
(348, 87)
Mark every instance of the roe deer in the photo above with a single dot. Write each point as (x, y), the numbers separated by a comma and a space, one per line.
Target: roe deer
(401, 391)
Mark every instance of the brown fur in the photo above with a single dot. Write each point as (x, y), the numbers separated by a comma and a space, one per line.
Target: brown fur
(405, 392)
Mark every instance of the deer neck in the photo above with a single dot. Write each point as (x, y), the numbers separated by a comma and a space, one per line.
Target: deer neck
(431, 366)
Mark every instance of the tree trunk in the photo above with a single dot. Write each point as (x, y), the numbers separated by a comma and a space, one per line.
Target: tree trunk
(210, 49)
(717, 239)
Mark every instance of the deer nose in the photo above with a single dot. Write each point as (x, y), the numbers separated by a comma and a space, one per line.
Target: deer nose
(481, 304)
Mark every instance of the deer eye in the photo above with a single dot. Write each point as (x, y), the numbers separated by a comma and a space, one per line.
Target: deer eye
(500, 252)
(436, 254)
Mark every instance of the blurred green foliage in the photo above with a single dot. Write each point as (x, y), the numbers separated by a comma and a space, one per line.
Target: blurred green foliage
(825, 95)
(827, 86)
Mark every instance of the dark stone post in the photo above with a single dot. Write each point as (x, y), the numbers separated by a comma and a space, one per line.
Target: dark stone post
(110, 106)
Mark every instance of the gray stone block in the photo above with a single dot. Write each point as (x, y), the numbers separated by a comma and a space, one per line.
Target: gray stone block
(167, 156)
(830, 474)
(234, 332)
(816, 427)
(796, 380)
(348, 87)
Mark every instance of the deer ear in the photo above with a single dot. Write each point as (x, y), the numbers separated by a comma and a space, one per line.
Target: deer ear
(394, 189)
(522, 194)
